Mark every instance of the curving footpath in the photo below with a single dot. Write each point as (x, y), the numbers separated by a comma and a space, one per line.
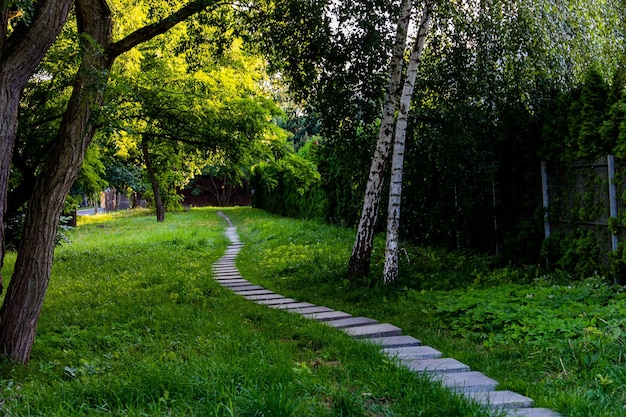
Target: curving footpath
(407, 350)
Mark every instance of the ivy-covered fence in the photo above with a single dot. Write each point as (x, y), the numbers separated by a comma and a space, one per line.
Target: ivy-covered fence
(584, 216)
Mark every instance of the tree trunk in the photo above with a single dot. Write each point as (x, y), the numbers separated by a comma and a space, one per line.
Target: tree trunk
(216, 191)
(156, 189)
(362, 250)
(20, 54)
(390, 272)
(9, 101)
(24, 299)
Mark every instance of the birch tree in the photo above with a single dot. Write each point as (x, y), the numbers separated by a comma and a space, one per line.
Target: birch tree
(390, 271)
(362, 250)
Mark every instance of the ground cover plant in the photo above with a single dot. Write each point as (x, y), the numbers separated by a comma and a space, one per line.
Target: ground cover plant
(134, 325)
(561, 340)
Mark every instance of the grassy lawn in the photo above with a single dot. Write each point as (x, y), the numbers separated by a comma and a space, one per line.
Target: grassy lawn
(560, 341)
(134, 325)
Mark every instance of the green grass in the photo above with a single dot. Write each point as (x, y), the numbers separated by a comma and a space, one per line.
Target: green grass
(561, 342)
(134, 325)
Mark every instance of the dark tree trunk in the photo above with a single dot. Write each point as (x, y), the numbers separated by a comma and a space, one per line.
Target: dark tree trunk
(9, 100)
(24, 299)
(20, 54)
(154, 182)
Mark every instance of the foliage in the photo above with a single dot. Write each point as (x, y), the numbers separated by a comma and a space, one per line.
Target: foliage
(210, 114)
(289, 186)
(561, 343)
(472, 162)
(581, 127)
(343, 160)
(580, 253)
(91, 180)
(135, 325)
(474, 127)
(574, 121)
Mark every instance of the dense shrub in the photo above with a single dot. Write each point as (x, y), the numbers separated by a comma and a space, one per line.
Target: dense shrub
(289, 186)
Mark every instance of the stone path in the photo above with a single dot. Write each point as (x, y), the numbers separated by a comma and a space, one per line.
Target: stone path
(407, 350)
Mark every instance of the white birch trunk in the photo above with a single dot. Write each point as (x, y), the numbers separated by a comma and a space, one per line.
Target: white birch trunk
(390, 272)
(362, 249)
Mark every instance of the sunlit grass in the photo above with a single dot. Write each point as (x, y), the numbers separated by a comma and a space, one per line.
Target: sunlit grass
(134, 325)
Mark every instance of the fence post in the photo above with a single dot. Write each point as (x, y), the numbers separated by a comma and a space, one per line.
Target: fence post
(546, 199)
(610, 159)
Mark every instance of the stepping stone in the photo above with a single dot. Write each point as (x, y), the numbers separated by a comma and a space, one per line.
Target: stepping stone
(445, 365)
(225, 267)
(227, 274)
(351, 322)
(395, 341)
(472, 381)
(239, 288)
(304, 310)
(262, 297)
(295, 305)
(277, 303)
(501, 399)
(327, 316)
(412, 352)
(251, 292)
(242, 283)
(532, 412)
(228, 277)
(373, 330)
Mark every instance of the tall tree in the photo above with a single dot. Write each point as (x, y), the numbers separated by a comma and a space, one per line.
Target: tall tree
(220, 107)
(362, 250)
(22, 304)
(23, 43)
(390, 271)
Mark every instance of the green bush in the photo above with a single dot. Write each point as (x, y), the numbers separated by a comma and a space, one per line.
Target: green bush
(579, 253)
(289, 187)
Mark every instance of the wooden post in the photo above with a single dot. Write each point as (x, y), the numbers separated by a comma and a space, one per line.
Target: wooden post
(546, 199)
(610, 159)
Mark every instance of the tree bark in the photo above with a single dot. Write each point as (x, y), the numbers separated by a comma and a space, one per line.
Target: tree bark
(20, 54)
(359, 264)
(154, 182)
(24, 299)
(390, 271)
(22, 304)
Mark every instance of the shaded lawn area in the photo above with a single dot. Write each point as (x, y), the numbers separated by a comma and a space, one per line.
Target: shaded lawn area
(560, 342)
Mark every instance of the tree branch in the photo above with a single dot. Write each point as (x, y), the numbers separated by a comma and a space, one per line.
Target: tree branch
(27, 45)
(173, 138)
(148, 32)
(4, 25)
